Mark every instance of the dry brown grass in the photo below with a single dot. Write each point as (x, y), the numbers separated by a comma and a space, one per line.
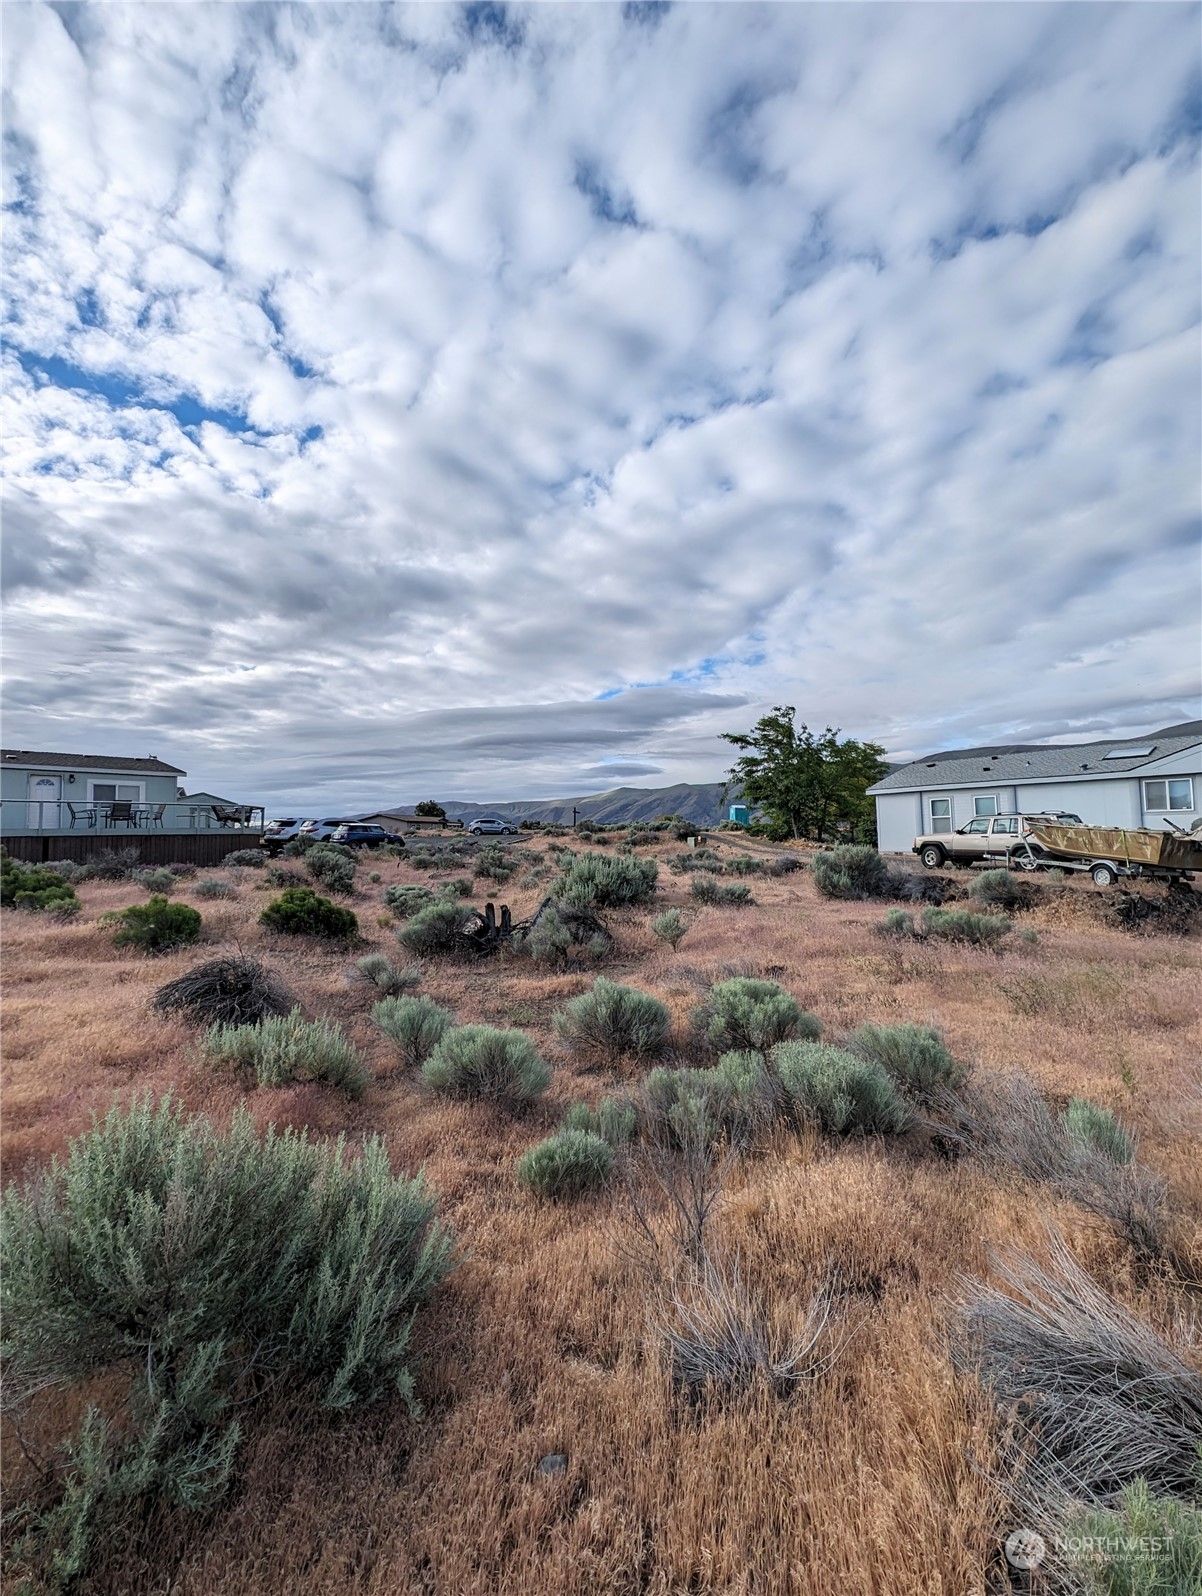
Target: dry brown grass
(874, 1478)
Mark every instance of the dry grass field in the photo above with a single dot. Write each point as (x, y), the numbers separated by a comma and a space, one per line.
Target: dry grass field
(876, 1477)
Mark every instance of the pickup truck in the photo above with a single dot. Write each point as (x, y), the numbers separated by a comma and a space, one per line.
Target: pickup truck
(987, 837)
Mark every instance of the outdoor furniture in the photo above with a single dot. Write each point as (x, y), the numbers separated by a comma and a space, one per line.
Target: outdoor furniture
(84, 812)
(152, 815)
(120, 814)
(227, 816)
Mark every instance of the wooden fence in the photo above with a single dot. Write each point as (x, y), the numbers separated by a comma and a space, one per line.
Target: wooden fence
(198, 848)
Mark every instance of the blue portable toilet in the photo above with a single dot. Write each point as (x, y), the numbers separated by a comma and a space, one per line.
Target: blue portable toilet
(740, 814)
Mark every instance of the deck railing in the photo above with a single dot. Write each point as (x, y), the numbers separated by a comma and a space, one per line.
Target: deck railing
(68, 818)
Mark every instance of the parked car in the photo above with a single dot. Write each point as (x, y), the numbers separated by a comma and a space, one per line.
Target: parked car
(362, 835)
(322, 830)
(277, 832)
(490, 826)
(987, 837)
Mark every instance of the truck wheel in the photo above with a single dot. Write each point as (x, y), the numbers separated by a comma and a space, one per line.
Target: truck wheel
(932, 856)
(1103, 875)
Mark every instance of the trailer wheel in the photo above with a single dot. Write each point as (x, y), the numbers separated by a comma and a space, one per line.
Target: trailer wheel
(1103, 875)
(932, 856)
(1026, 861)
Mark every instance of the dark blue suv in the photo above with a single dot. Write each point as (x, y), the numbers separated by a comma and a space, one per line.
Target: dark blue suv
(364, 836)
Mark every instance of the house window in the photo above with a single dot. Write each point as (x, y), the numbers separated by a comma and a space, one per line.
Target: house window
(1175, 794)
(985, 806)
(941, 814)
(110, 792)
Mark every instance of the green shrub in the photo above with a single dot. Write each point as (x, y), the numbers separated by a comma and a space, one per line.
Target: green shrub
(694, 859)
(897, 923)
(709, 890)
(841, 1092)
(278, 875)
(415, 1025)
(1097, 1128)
(735, 1099)
(71, 870)
(299, 911)
(281, 1049)
(960, 925)
(753, 1015)
(481, 1061)
(157, 926)
(436, 929)
(297, 847)
(850, 871)
(615, 1119)
(670, 927)
(114, 864)
(332, 865)
(493, 863)
(595, 881)
(1001, 889)
(404, 901)
(247, 858)
(160, 880)
(242, 1267)
(213, 887)
(235, 990)
(913, 1056)
(38, 889)
(382, 973)
(567, 1164)
(1144, 1546)
(614, 1021)
(374, 877)
(424, 861)
(549, 940)
(744, 865)
(456, 887)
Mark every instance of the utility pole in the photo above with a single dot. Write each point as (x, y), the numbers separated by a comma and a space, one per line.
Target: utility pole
(575, 812)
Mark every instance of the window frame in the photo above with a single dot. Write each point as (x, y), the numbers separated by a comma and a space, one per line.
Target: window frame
(948, 822)
(116, 786)
(985, 814)
(1168, 782)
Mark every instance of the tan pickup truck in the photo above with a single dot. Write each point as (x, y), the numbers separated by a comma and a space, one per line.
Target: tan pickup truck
(987, 837)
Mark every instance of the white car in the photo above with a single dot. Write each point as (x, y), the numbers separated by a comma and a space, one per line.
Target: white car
(490, 826)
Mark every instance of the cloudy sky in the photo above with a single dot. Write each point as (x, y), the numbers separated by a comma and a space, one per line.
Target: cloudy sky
(496, 402)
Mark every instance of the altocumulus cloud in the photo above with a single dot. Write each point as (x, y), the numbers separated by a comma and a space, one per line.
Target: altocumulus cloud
(496, 399)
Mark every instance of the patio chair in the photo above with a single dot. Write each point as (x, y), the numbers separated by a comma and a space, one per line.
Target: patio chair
(82, 812)
(227, 816)
(120, 813)
(153, 814)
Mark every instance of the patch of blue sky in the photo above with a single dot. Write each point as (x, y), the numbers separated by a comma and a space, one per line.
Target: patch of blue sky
(123, 394)
(645, 13)
(704, 670)
(605, 204)
(488, 22)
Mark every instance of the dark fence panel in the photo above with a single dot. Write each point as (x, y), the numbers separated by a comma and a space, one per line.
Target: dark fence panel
(199, 848)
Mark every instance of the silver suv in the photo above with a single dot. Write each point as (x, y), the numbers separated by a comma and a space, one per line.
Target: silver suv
(989, 837)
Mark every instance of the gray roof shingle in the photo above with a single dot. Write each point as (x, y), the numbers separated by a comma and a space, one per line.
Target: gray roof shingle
(41, 761)
(1032, 762)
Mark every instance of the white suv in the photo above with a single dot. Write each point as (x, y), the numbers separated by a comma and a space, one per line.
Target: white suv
(984, 838)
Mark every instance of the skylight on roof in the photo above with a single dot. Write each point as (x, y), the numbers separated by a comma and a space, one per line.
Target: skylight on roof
(1130, 753)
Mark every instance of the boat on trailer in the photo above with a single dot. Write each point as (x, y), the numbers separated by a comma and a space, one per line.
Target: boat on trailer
(1108, 852)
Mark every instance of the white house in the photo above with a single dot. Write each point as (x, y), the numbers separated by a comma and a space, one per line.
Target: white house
(1131, 782)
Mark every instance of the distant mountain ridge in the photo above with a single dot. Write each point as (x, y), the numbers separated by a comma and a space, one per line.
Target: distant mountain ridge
(701, 802)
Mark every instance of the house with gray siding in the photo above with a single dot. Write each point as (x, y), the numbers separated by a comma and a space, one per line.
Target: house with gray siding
(1152, 782)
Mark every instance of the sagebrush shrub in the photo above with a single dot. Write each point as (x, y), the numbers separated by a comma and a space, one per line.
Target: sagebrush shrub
(1097, 1128)
(332, 866)
(615, 1119)
(709, 890)
(842, 1093)
(743, 1013)
(1153, 1544)
(456, 887)
(236, 990)
(850, 871)
(694, 859)
(614, 1021)
(278, 875)
(595, 881)
(114, 864)
(247, 858)
(697, 1107)
(494, 864)
(157, 926)
(897, 923)
(35, 888)
(670, 927)
(961, 925)
(744, 865)
(482, 1061)
(382, 973)
(280, 1049)
(244, 1266)
(567, 1164)
(298, 911)
(160, 880)
(915, 1058)
(404, 901)
(415, 1025)
(549, 940)
(1001, 889)
(213, 887)
(436, 929)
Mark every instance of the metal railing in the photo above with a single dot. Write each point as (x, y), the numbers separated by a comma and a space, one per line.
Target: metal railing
(67, 817)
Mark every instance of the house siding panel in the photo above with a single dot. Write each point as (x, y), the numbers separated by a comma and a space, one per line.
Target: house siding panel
(1099, 803)
(898, 821)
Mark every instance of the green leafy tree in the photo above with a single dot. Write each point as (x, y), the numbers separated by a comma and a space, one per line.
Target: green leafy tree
(430, 808)
(808, 785)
